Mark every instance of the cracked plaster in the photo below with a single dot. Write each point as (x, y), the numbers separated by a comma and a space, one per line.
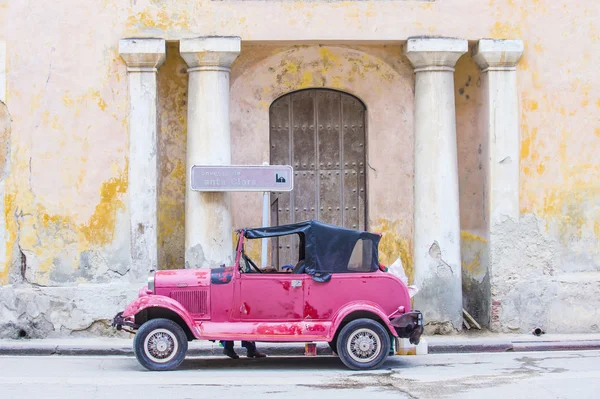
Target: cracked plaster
(53, 96)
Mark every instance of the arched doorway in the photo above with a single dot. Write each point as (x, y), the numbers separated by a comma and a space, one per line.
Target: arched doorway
(321, 133)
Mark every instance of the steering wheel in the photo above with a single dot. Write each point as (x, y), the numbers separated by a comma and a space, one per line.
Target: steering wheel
(249, 261)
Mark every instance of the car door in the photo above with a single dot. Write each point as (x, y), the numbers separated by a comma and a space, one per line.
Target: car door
(323, 299)
(271, 296)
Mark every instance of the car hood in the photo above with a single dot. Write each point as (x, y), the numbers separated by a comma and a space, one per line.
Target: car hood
(182, 278)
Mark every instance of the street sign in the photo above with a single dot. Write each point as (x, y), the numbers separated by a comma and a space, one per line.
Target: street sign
(242, 178)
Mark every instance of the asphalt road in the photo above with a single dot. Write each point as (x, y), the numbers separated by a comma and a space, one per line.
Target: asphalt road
(482, 375)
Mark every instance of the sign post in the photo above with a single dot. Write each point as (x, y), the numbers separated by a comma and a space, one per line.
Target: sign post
(265, 178)
(265, 223)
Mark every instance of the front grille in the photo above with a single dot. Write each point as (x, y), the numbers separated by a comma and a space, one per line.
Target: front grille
(195, 301)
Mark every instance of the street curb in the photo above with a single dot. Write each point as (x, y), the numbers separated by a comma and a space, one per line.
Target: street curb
(441, 347)
(555, 346)
(19, 349)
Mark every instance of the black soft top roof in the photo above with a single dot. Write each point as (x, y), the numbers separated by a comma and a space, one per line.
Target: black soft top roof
(324, 247)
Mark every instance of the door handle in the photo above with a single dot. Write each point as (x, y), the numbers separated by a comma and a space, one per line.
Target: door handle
(296, 283)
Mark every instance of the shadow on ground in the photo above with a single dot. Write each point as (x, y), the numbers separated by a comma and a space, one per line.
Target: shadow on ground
(281, 364)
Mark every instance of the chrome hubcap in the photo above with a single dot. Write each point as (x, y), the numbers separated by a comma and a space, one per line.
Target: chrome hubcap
(363, 345)
(161, 345)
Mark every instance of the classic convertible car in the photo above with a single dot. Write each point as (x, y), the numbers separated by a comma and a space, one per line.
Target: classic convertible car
(337, 292)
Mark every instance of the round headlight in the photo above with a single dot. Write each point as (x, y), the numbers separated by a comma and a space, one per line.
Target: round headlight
(151, 281)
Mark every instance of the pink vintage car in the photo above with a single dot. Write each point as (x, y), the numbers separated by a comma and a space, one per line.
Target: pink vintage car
(337, 292)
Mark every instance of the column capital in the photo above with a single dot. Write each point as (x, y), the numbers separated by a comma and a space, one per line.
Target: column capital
(143, 55)
(497, 55)
(210, 53)
(434, 53)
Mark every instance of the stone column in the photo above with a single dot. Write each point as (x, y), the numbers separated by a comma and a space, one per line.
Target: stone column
(143, 57)
(208, 231)
(436, 256)
(498, 61)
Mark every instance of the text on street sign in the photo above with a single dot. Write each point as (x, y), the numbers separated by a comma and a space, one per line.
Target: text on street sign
(242, 178)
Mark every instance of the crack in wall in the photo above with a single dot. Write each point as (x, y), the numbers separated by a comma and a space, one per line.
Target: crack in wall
(436, 253)
(23, 264)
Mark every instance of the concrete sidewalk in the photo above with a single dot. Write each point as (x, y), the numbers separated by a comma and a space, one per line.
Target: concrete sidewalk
(464, 343)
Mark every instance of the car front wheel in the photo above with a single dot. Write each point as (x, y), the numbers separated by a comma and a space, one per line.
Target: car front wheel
(160, 345)
(363, 344)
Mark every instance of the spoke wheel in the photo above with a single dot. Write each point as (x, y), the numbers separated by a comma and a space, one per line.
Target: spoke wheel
(160, 345)
(363, 344)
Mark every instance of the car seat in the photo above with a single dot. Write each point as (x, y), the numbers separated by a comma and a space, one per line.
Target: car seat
(300, 266)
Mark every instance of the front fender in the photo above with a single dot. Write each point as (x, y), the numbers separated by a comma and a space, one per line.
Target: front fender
(161, 301)
(359, 306)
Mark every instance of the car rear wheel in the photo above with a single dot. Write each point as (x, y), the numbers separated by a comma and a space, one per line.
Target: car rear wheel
(363, 344)
(160, 345)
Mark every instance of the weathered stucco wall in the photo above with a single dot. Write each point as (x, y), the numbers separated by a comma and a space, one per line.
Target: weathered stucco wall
(172, 107)
(378, 75)
(66, 186)
(472, 171)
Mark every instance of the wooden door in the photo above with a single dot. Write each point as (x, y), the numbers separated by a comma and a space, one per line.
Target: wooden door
(321, 133)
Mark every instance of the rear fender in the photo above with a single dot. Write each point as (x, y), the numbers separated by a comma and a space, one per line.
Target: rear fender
(160, 301)
(362, 310)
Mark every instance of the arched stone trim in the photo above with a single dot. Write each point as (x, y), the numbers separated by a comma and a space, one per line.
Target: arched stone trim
(379, 76)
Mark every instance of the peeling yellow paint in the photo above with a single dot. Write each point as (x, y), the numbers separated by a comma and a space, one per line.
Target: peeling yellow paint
(473, 249)
(531, 105)
(100, 228)
(162, 19)
(291, 67)
(46, 235)
(527, 142)
(67, 100)
(11, 232)
(466, 236)
(394, 245)
(541, 168)
(101, 103)
(505, 31)
(329, 59)
(472, 267)
(565, 208)
(307, 79)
